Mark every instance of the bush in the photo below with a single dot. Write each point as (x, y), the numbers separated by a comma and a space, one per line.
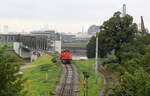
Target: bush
(110, 59)
(54, 60)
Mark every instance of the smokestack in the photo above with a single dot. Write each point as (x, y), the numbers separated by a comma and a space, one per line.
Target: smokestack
(124, 10)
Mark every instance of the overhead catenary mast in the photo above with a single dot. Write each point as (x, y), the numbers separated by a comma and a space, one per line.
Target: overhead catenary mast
(96, 60)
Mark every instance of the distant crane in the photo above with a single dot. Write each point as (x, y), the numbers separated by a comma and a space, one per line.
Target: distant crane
(143, 26)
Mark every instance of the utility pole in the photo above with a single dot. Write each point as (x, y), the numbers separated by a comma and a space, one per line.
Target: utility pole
(96, 60)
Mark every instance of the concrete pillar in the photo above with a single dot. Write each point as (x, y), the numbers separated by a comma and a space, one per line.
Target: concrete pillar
(20, 51)
(58, 46)
(34, 55)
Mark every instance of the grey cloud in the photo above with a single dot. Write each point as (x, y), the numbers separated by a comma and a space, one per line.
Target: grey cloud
(71, 11)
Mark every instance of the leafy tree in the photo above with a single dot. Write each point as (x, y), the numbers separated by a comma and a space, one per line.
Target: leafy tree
(137, 84)
(134, 55)
(101, 48)
(117, 31)
(135, 78)
(91, 47)
(145, 39)
(11, 82)
(113, 33)
(128, 51)
(145, 60)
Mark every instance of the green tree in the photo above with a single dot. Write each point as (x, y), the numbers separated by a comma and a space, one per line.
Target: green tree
(137, 84)
(11, 82)
(135, 76)
(145, 39)
(134, 55)
(113, 33)
(91, 47)
(145, 60)
(117, 31)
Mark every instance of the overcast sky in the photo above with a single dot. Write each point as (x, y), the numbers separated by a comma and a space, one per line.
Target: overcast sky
(66, 15)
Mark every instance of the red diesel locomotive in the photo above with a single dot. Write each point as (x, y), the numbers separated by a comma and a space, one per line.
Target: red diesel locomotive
(65, 57)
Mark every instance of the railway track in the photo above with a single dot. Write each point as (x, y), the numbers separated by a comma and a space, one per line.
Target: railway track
(67, 86)
(69, 81)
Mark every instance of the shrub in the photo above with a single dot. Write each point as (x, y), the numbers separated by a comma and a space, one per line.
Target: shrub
(54, 60)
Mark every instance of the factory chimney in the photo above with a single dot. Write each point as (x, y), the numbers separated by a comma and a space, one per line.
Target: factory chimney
(124, 10)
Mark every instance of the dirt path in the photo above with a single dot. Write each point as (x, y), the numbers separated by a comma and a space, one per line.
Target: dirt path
(27, 67)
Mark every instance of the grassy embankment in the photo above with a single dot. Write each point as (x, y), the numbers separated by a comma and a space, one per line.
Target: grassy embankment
(42, 78)
(9, 46)
(9, 50)
(87, 65)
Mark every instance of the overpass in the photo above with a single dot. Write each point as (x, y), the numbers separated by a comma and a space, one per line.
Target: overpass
(33, 45)
(8, 37)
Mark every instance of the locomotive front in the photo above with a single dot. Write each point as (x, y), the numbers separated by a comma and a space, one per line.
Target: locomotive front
(66, 57)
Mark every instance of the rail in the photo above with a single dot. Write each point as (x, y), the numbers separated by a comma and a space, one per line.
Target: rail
(68, 81)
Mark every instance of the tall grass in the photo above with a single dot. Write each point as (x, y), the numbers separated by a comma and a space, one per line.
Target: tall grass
(87, 66)
(42, 79)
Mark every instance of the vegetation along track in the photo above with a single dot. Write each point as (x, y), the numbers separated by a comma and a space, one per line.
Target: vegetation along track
(68, 84)
(108, 79)
(105, 81)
